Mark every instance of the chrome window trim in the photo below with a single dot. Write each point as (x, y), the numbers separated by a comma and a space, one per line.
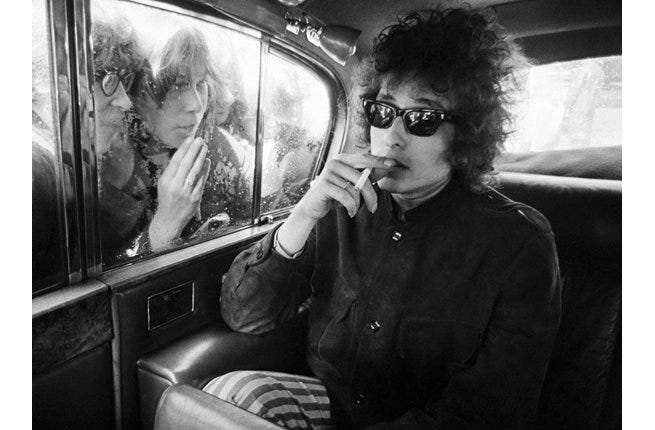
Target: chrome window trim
(124, 277)
(259, 140)
(66, 296)
(83, 74)
(65, 149)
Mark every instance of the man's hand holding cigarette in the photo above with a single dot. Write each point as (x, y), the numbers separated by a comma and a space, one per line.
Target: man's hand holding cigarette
(345, 179)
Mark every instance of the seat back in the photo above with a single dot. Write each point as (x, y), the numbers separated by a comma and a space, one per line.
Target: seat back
(582, 386)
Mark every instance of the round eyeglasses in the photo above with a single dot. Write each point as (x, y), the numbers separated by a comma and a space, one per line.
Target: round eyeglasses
(109, 80)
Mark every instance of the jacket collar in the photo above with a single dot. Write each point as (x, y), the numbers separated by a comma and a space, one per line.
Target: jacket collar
(437, 209)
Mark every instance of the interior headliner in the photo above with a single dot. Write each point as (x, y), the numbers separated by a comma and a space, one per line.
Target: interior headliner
(549, 30)
(524, 19)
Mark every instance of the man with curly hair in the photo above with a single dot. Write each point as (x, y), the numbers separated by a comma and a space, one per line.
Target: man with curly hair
(117, 60)
(436, 305)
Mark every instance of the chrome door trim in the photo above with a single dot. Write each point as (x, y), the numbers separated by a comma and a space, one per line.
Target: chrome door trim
(67, 185)
(259, 132)
(83, 74)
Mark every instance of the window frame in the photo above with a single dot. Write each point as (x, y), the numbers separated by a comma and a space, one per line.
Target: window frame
(59, 58)
(286, 53)
(73, 57)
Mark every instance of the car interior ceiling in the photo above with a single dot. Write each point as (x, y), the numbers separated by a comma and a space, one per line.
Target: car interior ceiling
(98, 363)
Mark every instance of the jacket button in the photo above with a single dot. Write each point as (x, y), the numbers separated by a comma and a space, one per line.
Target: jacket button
(396, 236)
(260, 254)
(374, 326)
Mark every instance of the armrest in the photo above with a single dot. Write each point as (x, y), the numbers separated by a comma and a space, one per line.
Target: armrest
(185, 407)
(216, 350)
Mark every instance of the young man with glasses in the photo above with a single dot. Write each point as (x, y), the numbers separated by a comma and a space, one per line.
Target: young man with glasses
(434, 306)
(117, 60)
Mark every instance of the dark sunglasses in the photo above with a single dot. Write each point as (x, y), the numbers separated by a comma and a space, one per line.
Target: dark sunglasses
(109, 80)
(418, 121)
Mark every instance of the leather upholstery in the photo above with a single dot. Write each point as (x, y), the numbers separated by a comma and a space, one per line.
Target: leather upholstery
(185, 407)
(595, 162)
(582, 386)
(216, 350)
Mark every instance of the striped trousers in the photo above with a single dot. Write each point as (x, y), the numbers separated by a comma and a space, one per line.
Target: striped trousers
(290, 401)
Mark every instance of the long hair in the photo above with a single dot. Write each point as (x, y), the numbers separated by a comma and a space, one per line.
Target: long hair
(186, 50)
(459, 53)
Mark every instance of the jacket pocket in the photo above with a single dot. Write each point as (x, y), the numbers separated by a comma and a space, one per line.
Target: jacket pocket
(437, 348)
(337, 336)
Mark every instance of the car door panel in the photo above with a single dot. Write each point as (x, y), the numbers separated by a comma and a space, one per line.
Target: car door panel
(133, 338)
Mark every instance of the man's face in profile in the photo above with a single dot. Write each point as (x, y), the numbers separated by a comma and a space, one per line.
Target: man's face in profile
(112, 149)
(110, 113)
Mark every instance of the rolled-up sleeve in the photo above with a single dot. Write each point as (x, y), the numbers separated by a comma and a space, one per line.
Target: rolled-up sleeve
(263, 289)
(501, 388)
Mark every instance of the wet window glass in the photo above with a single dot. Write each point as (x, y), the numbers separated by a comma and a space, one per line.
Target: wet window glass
(176, 109)
(297, 116)
(47, 256)
(569, 105)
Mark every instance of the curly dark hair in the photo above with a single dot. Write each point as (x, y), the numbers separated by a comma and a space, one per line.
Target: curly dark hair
(115, 47)
(463, 54)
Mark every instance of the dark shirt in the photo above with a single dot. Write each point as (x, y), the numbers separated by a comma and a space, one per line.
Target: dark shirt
(122, 220)
(442, 318)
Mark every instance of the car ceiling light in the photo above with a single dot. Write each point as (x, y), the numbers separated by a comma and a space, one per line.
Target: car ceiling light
(291, 2)
(337, 41)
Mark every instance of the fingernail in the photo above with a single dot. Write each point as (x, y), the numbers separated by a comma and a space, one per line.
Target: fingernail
(389, 162)
(374, 208)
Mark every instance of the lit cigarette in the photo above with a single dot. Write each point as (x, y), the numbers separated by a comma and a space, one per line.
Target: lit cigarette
(362, 179)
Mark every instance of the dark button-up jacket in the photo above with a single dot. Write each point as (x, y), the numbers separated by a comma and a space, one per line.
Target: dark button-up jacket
(443, 317)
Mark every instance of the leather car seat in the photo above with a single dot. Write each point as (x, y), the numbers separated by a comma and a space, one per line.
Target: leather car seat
(582, 388)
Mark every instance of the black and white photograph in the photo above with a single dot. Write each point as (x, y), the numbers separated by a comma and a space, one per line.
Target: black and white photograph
(331, 215)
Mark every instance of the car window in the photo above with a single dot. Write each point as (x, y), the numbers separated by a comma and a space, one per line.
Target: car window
(47, 255)
(165, 78)
(569, 105)
(296, 122)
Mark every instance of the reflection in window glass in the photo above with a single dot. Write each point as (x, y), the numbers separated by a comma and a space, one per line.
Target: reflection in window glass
(175, 102)
(297, 118)
(47, 258)
(569, 105)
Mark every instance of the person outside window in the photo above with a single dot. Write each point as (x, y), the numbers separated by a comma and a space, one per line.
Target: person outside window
(194, 185)
(117, 60)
